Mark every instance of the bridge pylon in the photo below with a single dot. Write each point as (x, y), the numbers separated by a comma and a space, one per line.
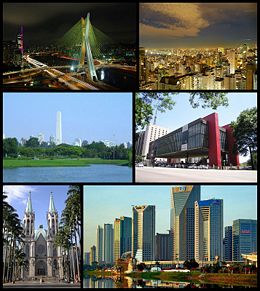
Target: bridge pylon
(85, 48)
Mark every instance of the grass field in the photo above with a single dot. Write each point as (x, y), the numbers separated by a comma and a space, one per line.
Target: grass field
(15, 163)
(196, 277)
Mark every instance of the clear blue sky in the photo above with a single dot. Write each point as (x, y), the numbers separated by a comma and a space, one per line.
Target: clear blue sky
(18, 195)
(102, 204)
(91, 116)
(182, 113)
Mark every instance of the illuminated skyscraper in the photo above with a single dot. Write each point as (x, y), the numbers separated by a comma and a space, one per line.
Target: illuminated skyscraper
(231, 56)
(208, 229)
(182, 220)
(58, 129)
(143, 233)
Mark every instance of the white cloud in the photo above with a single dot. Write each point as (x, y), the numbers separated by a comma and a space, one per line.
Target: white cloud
(187, 20)
(17, 193)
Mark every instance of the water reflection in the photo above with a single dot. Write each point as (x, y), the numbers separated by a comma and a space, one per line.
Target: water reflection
(127, 282)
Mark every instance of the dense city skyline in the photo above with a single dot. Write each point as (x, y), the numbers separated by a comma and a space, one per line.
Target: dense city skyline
(96, 110)
(148, 195)
(197, 25)
(39, 19)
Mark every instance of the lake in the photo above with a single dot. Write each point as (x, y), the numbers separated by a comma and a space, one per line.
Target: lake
(93, 173)
(127, 282)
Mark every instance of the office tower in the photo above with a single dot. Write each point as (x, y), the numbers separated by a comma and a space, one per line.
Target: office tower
(122, 236)
(244, 238)
(182, 220)
(87, 258)
(163, 246)
(93, 255)
(228, 244)
(208, 229)
(100, 244)
(58, 129)
(108, 243)
(143, 233)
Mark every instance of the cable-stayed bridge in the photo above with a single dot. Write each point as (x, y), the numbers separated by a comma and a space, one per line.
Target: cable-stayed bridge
(81, 43)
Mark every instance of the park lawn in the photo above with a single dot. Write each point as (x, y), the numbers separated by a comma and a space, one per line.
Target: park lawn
(195, 277)
(233, 279)
(16, 163)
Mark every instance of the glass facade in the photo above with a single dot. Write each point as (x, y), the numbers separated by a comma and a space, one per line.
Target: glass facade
(195, 137)
(223, 140)
(198, 135)
(244, 238)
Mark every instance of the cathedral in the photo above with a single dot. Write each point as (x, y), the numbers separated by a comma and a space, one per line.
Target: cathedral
(42, 257)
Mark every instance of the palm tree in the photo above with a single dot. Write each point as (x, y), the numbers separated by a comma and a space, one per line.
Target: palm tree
(12, 240)
(69, 234)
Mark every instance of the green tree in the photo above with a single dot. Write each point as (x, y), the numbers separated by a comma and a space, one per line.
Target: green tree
(245, 133)
(148, 104)
(12, 242)
(69, 234)
(10, 147)
(32, 142)
(254, 160)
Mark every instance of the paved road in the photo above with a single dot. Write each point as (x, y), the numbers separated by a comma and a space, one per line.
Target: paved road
(34, 285)
(149, 174)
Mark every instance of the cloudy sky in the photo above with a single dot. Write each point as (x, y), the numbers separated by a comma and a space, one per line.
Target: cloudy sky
(45, 22)
(185, 25)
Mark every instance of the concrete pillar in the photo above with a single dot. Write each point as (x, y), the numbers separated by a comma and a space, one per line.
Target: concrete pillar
(214, 140)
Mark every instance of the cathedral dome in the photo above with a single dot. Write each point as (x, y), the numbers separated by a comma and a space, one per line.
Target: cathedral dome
(40, 231)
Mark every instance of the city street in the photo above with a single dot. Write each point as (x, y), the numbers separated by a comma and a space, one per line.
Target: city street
(177, 175)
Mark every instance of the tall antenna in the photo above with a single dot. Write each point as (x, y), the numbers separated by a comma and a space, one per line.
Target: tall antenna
(155, 117)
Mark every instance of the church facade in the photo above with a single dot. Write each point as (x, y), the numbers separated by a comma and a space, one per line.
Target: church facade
(43, 257)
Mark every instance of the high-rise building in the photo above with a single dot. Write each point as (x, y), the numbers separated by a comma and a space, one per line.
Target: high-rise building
(163, 249)
(78, 142)
(58, 128)
(231, 56)
(143, 233)
(87, 258)
(182, 220)
(108, 243)
(228, 243)
(100, 243)
(151, 133)
(40, 138)
(208, 229)
(122, 236)
(93, 255)
(244, 238)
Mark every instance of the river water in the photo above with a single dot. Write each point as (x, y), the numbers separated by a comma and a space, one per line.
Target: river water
(92, 173)
(127, 282)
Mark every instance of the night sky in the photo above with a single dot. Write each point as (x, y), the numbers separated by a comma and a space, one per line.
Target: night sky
(45, 22)
(197, 25)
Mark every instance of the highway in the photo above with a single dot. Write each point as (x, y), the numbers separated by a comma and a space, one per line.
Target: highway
(71, 82)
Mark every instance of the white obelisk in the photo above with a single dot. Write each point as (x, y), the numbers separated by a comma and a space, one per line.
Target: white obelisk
(58, 129)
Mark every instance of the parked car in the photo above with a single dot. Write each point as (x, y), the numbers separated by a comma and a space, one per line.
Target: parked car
(140, 165)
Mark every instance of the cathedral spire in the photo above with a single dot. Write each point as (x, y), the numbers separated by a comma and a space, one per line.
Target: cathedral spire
(29, 204)
(51, 204)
